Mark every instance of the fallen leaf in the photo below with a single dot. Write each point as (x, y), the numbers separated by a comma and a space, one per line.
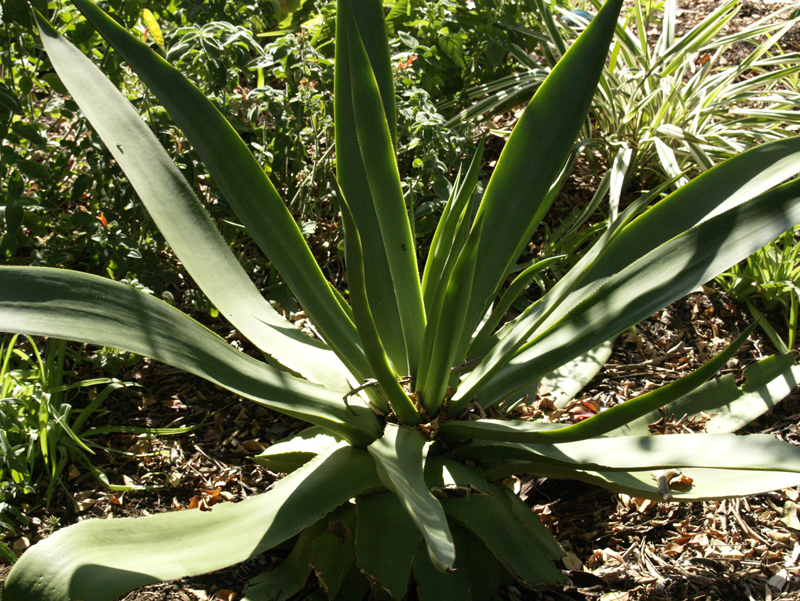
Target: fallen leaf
(614, 596)
(571, 562)
(789, 515)
(21, 544)
(254, 446)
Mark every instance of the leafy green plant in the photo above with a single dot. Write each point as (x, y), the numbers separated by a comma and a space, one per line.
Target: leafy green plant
(401, 473)
(681, 104)
(771, 275)
(40, 429)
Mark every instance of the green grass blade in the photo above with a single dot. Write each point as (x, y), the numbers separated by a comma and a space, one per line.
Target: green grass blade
(184, 222)
(101, 560)
(399, 456)
(243, 183)
(76, 306)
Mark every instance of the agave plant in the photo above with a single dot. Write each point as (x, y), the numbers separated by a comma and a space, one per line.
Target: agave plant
(398, 481)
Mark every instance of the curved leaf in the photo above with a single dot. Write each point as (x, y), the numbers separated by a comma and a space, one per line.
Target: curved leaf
(367, 329)
(722, 405)
(378, 156)
(99, 560)
(243, 183)
(183, 220)
(534, 156)
(350, 169)
(659, 278)
(629, 453)
(604, 422)
(399, 456)
(77, 306)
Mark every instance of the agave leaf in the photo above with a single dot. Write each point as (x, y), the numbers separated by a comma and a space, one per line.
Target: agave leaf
(378, 155)
(446, 323)
(659, 278)
(399, 456)
(382, 518)
(718, 190)
(443, 244)
(77, 306)
(182, 219)
(334, 552)
(534, 156)
(447, 476)
(290, 577)
(626, 453)
(722, 405)
(367, 328)
(100, 560)
(568, 380)
(544, 538)
(244, 185)
(603, 422)
(708, 483)
(492, 518)
(476, 568)
(288, 454)
(351, 171)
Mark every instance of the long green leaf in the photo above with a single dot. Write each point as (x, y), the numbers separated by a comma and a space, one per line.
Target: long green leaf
(382, 518)
(492, 518)
(722, 405)
(603, 422)
(76, 306)
(625, 453)
(350, 169)
(378, 155)
(183, 220)
(243, 183)
(399, 456)
(534, 156)
(708, 484)
(715, 191)
(648, 284)
(100, 560)
(445, 323)
(443, 244)
(367, 329)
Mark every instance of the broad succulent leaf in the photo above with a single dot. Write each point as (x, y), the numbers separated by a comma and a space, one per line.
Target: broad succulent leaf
(382, 518)
(184, 222)
(243, 183)
(87, 308)
(399, 457)
(99, 560)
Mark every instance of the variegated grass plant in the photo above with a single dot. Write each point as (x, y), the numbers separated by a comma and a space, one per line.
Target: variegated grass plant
(400, 474)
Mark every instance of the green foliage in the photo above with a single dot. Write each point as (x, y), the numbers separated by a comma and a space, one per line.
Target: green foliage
(770, 276)
(403, 373)
(40, 429)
